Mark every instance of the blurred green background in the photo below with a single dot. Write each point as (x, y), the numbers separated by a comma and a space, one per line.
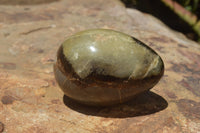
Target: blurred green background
(180, 15)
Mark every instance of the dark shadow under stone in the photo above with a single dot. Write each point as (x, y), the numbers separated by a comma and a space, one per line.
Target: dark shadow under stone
(143, 104)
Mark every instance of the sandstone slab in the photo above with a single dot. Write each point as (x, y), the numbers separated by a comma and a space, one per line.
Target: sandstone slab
(31, 101)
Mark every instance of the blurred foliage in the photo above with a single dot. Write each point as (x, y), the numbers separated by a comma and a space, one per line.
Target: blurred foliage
(187, 22)
(191, 5)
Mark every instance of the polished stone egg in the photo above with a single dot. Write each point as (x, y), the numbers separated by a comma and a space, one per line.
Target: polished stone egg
(102, 67)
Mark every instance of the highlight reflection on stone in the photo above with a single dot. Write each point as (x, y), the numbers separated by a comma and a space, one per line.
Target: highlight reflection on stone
(104, 67)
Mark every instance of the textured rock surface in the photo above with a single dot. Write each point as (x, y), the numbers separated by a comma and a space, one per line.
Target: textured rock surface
(31, 101)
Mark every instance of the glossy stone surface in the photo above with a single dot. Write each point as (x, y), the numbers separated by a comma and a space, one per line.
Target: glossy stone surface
(103, 67)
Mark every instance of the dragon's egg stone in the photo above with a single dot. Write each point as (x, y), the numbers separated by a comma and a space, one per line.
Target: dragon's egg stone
(103, 67)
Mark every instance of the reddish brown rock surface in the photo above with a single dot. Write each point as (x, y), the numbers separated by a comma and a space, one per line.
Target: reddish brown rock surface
(31, 101)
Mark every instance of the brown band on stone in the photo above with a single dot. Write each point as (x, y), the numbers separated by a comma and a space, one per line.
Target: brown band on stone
(105, 81)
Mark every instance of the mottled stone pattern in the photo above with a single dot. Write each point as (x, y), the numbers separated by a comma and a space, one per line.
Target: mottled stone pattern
(31, 101)
(111, 53)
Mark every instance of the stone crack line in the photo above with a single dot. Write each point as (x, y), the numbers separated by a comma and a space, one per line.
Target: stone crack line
(37, 29)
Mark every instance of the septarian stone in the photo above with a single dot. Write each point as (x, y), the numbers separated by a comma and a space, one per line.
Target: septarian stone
(106, 67)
